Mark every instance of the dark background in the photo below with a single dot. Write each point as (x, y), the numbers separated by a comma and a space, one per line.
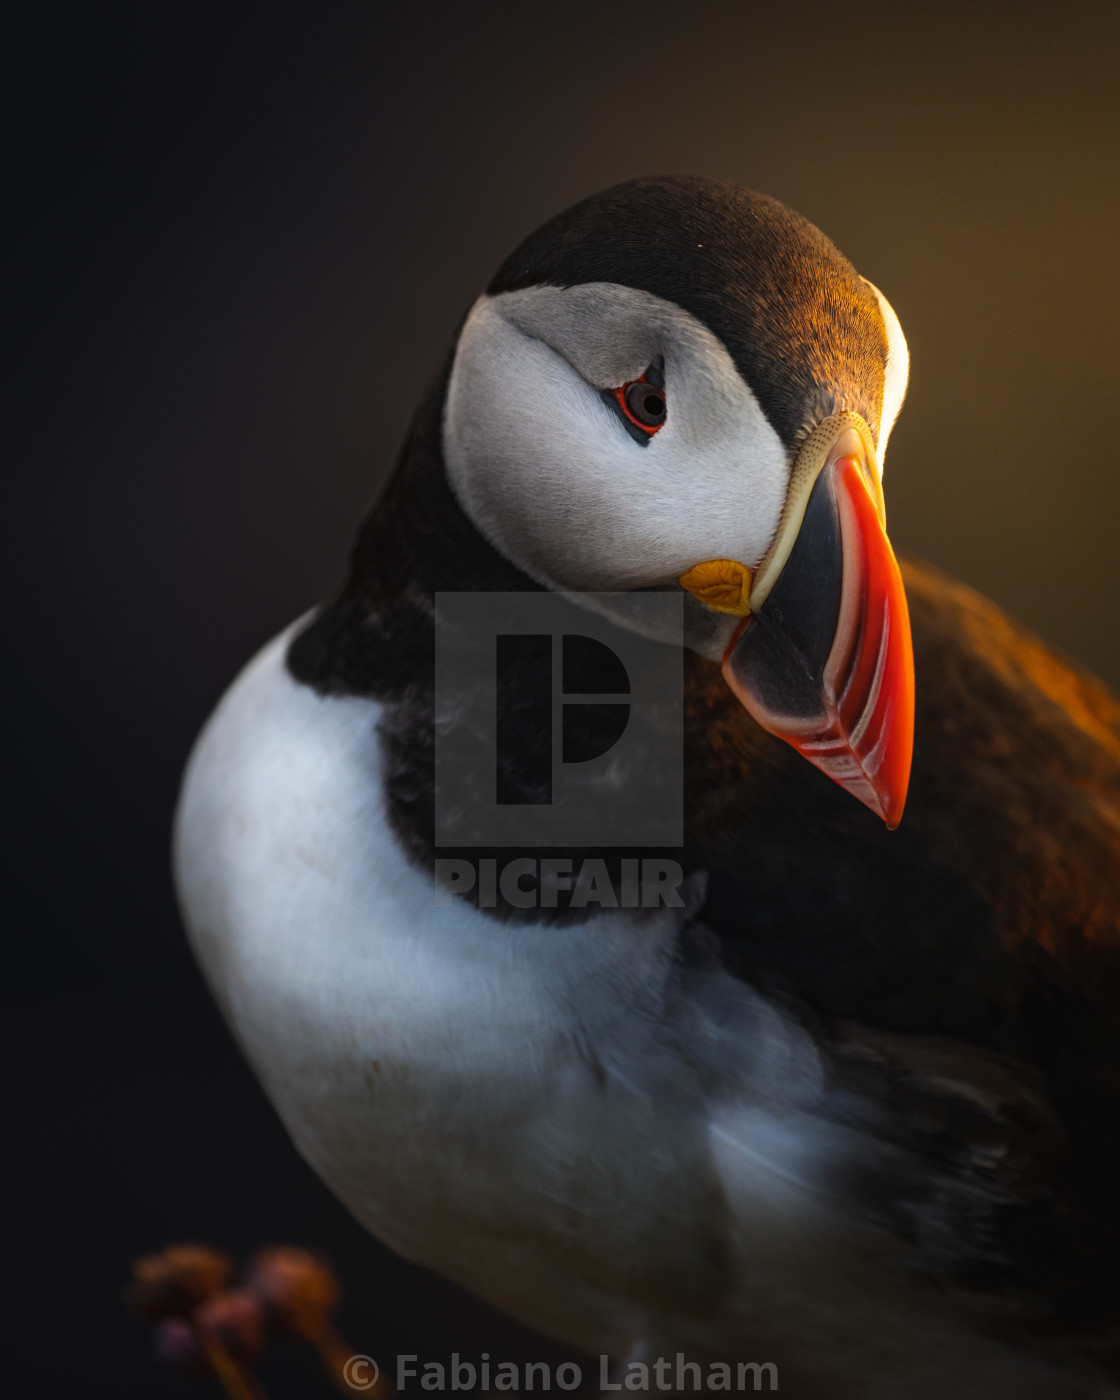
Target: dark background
(244, 234)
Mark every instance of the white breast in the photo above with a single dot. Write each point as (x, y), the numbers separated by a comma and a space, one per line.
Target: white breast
(465, 1086)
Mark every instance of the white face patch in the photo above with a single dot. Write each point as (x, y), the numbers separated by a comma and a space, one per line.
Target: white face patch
(896, 374)
(551, 477)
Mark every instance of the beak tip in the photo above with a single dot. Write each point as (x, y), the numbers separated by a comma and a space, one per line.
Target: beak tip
(881, 788)
(891, 809)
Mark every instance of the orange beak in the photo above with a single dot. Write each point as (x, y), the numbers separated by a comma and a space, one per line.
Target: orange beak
(824, 660)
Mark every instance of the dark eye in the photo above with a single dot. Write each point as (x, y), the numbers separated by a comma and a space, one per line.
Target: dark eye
(645, 403)
(641, 404)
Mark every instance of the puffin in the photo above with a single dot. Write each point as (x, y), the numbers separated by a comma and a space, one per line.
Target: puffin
(817, 1071)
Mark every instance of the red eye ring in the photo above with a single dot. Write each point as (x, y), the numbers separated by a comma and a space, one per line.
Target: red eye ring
(642, 403)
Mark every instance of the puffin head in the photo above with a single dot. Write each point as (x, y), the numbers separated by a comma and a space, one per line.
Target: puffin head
(680, 384)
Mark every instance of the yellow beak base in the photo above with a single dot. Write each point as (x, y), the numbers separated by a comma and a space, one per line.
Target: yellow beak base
(724, 585)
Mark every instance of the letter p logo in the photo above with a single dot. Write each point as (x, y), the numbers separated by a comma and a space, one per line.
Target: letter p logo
(554, 726)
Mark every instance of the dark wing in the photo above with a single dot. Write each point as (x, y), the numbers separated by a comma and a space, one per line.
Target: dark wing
(963, 1157)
